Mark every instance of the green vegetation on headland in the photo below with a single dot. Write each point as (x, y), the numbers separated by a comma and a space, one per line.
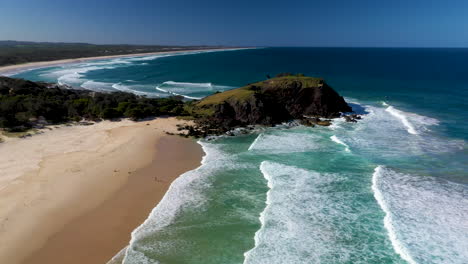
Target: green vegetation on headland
(273, 101)
(25, 104)
(282, 81)
(16, 52)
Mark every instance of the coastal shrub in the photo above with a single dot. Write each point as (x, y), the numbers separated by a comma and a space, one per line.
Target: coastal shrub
(134, 113)
(110, 113)
(122, 107)
(24, 103)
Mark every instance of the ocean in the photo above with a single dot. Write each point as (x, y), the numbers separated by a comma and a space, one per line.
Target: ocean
(391, 188)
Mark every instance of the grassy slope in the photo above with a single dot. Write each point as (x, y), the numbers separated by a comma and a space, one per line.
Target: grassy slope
(205, 107)
(245, 92)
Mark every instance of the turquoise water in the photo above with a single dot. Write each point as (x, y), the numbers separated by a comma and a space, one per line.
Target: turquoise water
(388, 189)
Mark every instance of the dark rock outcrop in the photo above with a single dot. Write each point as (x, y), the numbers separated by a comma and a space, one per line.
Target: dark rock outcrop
(271, 102)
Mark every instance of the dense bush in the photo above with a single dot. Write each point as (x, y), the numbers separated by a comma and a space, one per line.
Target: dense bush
(24, 103)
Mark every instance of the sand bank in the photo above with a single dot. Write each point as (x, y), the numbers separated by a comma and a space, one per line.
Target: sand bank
(74, 194)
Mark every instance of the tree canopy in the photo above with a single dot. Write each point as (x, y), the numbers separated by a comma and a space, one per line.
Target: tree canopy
(24, 103)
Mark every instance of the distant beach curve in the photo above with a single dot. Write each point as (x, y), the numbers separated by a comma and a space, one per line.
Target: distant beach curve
(14, 69)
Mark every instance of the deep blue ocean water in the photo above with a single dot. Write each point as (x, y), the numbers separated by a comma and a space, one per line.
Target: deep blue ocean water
(391, 188)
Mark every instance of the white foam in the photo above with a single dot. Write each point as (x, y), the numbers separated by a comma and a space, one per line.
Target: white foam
(425, 217)
(112, 62)
(73, 74)
(204, 85)
(337, 123)
(185, 192)
(254, 142)
(69, 79)
(132, 89)
(414, 123)
(248, 256)
(380, 135)
(293, 224)
(97, 64)
(148, 58)
(97, 86)
(185, 89)
(177, 94)
(286, 142)
(338, 141)
(399, 114)
(388, 223)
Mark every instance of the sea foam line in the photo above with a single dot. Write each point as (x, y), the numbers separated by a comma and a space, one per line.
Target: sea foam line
(84, 65)
(254, 142)
(208, 85)
(399, 248)
(124, 88)
(247, 254)
(338, 141)
(398, 114)
(166, 209)
(169, 92)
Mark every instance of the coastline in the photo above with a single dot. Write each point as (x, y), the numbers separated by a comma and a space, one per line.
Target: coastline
(86, 187)
(17, 68)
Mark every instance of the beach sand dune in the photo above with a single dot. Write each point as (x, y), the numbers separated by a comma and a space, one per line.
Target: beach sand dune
(74, 194)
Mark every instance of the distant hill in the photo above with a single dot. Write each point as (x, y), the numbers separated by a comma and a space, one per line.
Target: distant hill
(17, 52)
(32, 43)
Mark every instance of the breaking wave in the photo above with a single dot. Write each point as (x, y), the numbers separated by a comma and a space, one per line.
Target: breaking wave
(177, 94)
(185, 192)
(381, 135)
(310, 218)
(190, 90)
(388, 222)
(98, 86)
(188, 84)
(252, 146)
(133, 89)
(286, 142)
(425, 217)
(338, 141)
(285, 235)
(414, 123)
(75, 74)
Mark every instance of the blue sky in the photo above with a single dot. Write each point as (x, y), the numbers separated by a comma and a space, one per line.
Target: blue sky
(345, 23)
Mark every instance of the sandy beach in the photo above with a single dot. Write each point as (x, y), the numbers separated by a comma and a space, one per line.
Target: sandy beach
(12, 69)
(86, 188)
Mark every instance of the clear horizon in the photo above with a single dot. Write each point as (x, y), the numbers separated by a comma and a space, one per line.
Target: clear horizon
(299, 23)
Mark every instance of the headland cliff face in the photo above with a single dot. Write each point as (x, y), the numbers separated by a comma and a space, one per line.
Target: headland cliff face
(270, 102)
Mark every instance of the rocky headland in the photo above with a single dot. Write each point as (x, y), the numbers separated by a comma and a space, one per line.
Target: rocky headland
(304, 100)
(308, 100)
